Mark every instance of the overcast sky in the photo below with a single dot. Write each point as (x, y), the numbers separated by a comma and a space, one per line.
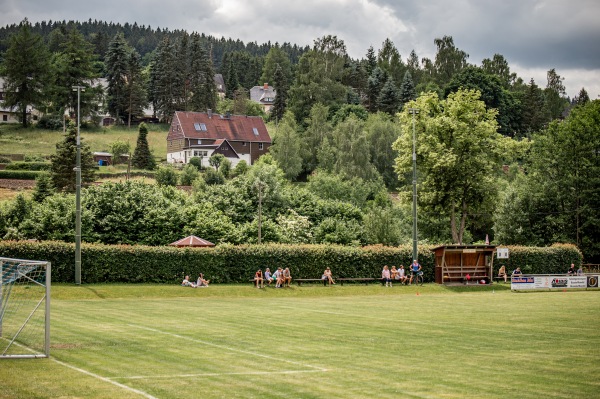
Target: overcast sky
(533, 35)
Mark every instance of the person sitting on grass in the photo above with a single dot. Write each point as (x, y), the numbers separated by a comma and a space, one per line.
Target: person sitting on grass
(287, 276)
(327, 276)
(202, 282)
(267, 276)
(259, 282)
(187, 283)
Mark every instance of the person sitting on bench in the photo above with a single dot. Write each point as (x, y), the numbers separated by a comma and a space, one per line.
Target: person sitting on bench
(258, 279)
(287, 277)
(502, 272)
(327, 276)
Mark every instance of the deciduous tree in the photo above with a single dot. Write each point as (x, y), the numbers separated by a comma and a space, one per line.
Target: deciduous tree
(456, 155)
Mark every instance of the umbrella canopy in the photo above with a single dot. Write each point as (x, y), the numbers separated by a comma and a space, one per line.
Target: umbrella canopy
(192, 241)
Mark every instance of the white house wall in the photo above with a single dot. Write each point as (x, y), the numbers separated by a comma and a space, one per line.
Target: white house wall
(186, 155)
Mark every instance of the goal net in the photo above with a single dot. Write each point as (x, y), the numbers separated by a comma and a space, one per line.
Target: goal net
(24, 308)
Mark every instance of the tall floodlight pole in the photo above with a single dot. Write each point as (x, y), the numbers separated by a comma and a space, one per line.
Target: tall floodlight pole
(78, 89)
(414, 111)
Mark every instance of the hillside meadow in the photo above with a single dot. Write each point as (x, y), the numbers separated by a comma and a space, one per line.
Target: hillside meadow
(14, 139)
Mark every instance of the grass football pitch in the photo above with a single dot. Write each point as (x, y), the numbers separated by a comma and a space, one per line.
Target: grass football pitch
(157, 341)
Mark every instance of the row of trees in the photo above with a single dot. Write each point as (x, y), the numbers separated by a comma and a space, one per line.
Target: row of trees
(547, 193)
(177, 75)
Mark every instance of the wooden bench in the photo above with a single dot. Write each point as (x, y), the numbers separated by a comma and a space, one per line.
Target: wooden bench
(309, 280)
(365, 280)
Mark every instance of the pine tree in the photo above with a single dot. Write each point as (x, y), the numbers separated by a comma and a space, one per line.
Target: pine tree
(74, 65)
(407, 90)
(371, 61)
(142, 157)
(64, 161)
(43, 187)
(231, 80)
(134, 89)
(389, 99)
(163, 81)
(281, 88)
(117, 65)
(582, 98)
(25, 66)
(374, 85)
(201, 78)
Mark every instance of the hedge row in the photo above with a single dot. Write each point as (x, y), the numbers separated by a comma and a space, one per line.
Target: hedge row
(108, 175)
(237, 264)
(20, 174)
(28, 166)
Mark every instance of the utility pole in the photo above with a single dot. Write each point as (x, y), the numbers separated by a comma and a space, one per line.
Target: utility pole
(78, 89)
(414, 111)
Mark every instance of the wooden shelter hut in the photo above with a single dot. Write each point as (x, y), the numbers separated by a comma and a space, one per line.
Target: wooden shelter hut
(464, 263)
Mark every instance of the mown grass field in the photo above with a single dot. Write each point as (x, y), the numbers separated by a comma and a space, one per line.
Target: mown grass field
(32, 141)
(157, 341)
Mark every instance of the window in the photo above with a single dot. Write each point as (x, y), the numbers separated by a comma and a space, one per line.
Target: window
(200, 127)
(5, 118)
(255, 130)
(243, 143)
(200, 153)
(260, 146)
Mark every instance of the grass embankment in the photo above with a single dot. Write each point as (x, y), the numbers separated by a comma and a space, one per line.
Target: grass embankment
(129, 341)
(32, 141)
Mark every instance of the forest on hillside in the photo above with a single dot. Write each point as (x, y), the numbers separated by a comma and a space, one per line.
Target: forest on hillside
(497, 156)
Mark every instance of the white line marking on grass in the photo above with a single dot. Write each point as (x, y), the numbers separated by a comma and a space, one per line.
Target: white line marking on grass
(227, 347)
(426, 323)
(142, 377)
(142, 393)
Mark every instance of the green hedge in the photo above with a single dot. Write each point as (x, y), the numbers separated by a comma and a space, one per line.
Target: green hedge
(555, 259)
(108, 175)
(28, 166)
(20, 174)
(237, 264)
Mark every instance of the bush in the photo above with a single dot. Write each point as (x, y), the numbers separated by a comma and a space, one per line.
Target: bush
(28, 166)
(166, 176)
(188, 175)
(50, 122)
(20, 174)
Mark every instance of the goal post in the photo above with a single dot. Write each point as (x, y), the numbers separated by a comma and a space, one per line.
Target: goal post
(24, 308)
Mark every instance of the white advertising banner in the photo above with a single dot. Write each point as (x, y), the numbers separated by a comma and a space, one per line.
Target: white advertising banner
(552, 281)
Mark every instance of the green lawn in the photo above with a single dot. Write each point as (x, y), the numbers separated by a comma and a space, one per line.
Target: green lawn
(16, 140)
(136, 341)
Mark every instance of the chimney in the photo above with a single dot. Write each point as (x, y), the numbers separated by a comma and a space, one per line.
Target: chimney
(209, 112)
(266, 86)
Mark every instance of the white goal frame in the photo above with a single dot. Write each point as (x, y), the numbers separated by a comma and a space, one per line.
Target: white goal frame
(24, 308)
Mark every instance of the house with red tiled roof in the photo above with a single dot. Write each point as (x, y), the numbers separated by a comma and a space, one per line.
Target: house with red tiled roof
(202, 134)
